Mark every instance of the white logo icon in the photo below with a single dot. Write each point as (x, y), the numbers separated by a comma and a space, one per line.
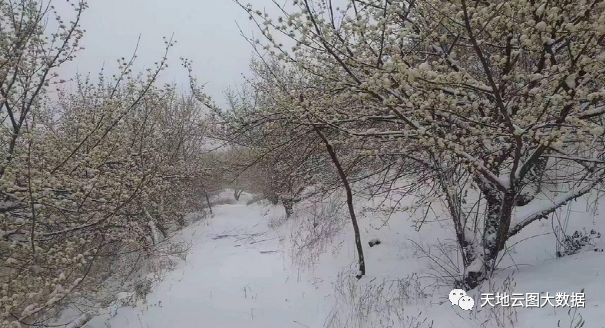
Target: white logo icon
(458, 297)
(466, 303)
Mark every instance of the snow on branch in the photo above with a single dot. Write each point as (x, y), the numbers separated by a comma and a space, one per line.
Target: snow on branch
(497, 181)
(593, 112)
(540, 208)
(576, 158)
(80, 321)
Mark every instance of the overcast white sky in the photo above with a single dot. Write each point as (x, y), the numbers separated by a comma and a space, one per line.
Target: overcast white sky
(206, 32)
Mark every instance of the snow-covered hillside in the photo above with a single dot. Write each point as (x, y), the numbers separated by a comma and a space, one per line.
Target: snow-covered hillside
(241, 273)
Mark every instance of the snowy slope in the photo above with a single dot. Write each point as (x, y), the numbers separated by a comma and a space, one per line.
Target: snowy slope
(240, 273)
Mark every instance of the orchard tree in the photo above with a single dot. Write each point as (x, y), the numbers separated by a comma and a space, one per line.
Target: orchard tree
(290, 153)
(481, 101)
(87, 178)
(269, 152)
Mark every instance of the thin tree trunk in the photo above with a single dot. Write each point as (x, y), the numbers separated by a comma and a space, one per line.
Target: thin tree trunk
(288, 206)
(236, 194)
(161, 211)
(273, 198)
(153, 228)
(345, 182)
(208, 201)
(207, 198)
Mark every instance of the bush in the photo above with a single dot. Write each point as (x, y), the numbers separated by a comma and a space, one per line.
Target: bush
(577, 241)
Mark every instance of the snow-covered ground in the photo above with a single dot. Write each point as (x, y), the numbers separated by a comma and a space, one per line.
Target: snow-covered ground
(234, 276)
(240, 272)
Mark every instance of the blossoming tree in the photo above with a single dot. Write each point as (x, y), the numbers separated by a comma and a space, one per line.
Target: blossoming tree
(86, 176)
(481, 101)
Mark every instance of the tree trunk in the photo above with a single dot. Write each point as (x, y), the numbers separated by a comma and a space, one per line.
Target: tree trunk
(208, 201)
(162, 229)
(288, 206)
(155, 227)
(495, 234)
(237, 193)
(161, 210)
(273, 198)
(535, 176)
(345, 182)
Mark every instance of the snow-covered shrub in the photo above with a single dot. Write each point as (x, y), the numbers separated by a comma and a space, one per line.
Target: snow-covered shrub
(442, 262)
(142, 288)
(193, 217)
(223, 201)
(255, 199)
(496, 316)
(376, 303)
(574, 318)
(126, 299)
(276, 220)
(572, 244)
(314, 229)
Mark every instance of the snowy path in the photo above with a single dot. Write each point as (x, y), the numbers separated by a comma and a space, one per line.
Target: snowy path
(235, 276)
